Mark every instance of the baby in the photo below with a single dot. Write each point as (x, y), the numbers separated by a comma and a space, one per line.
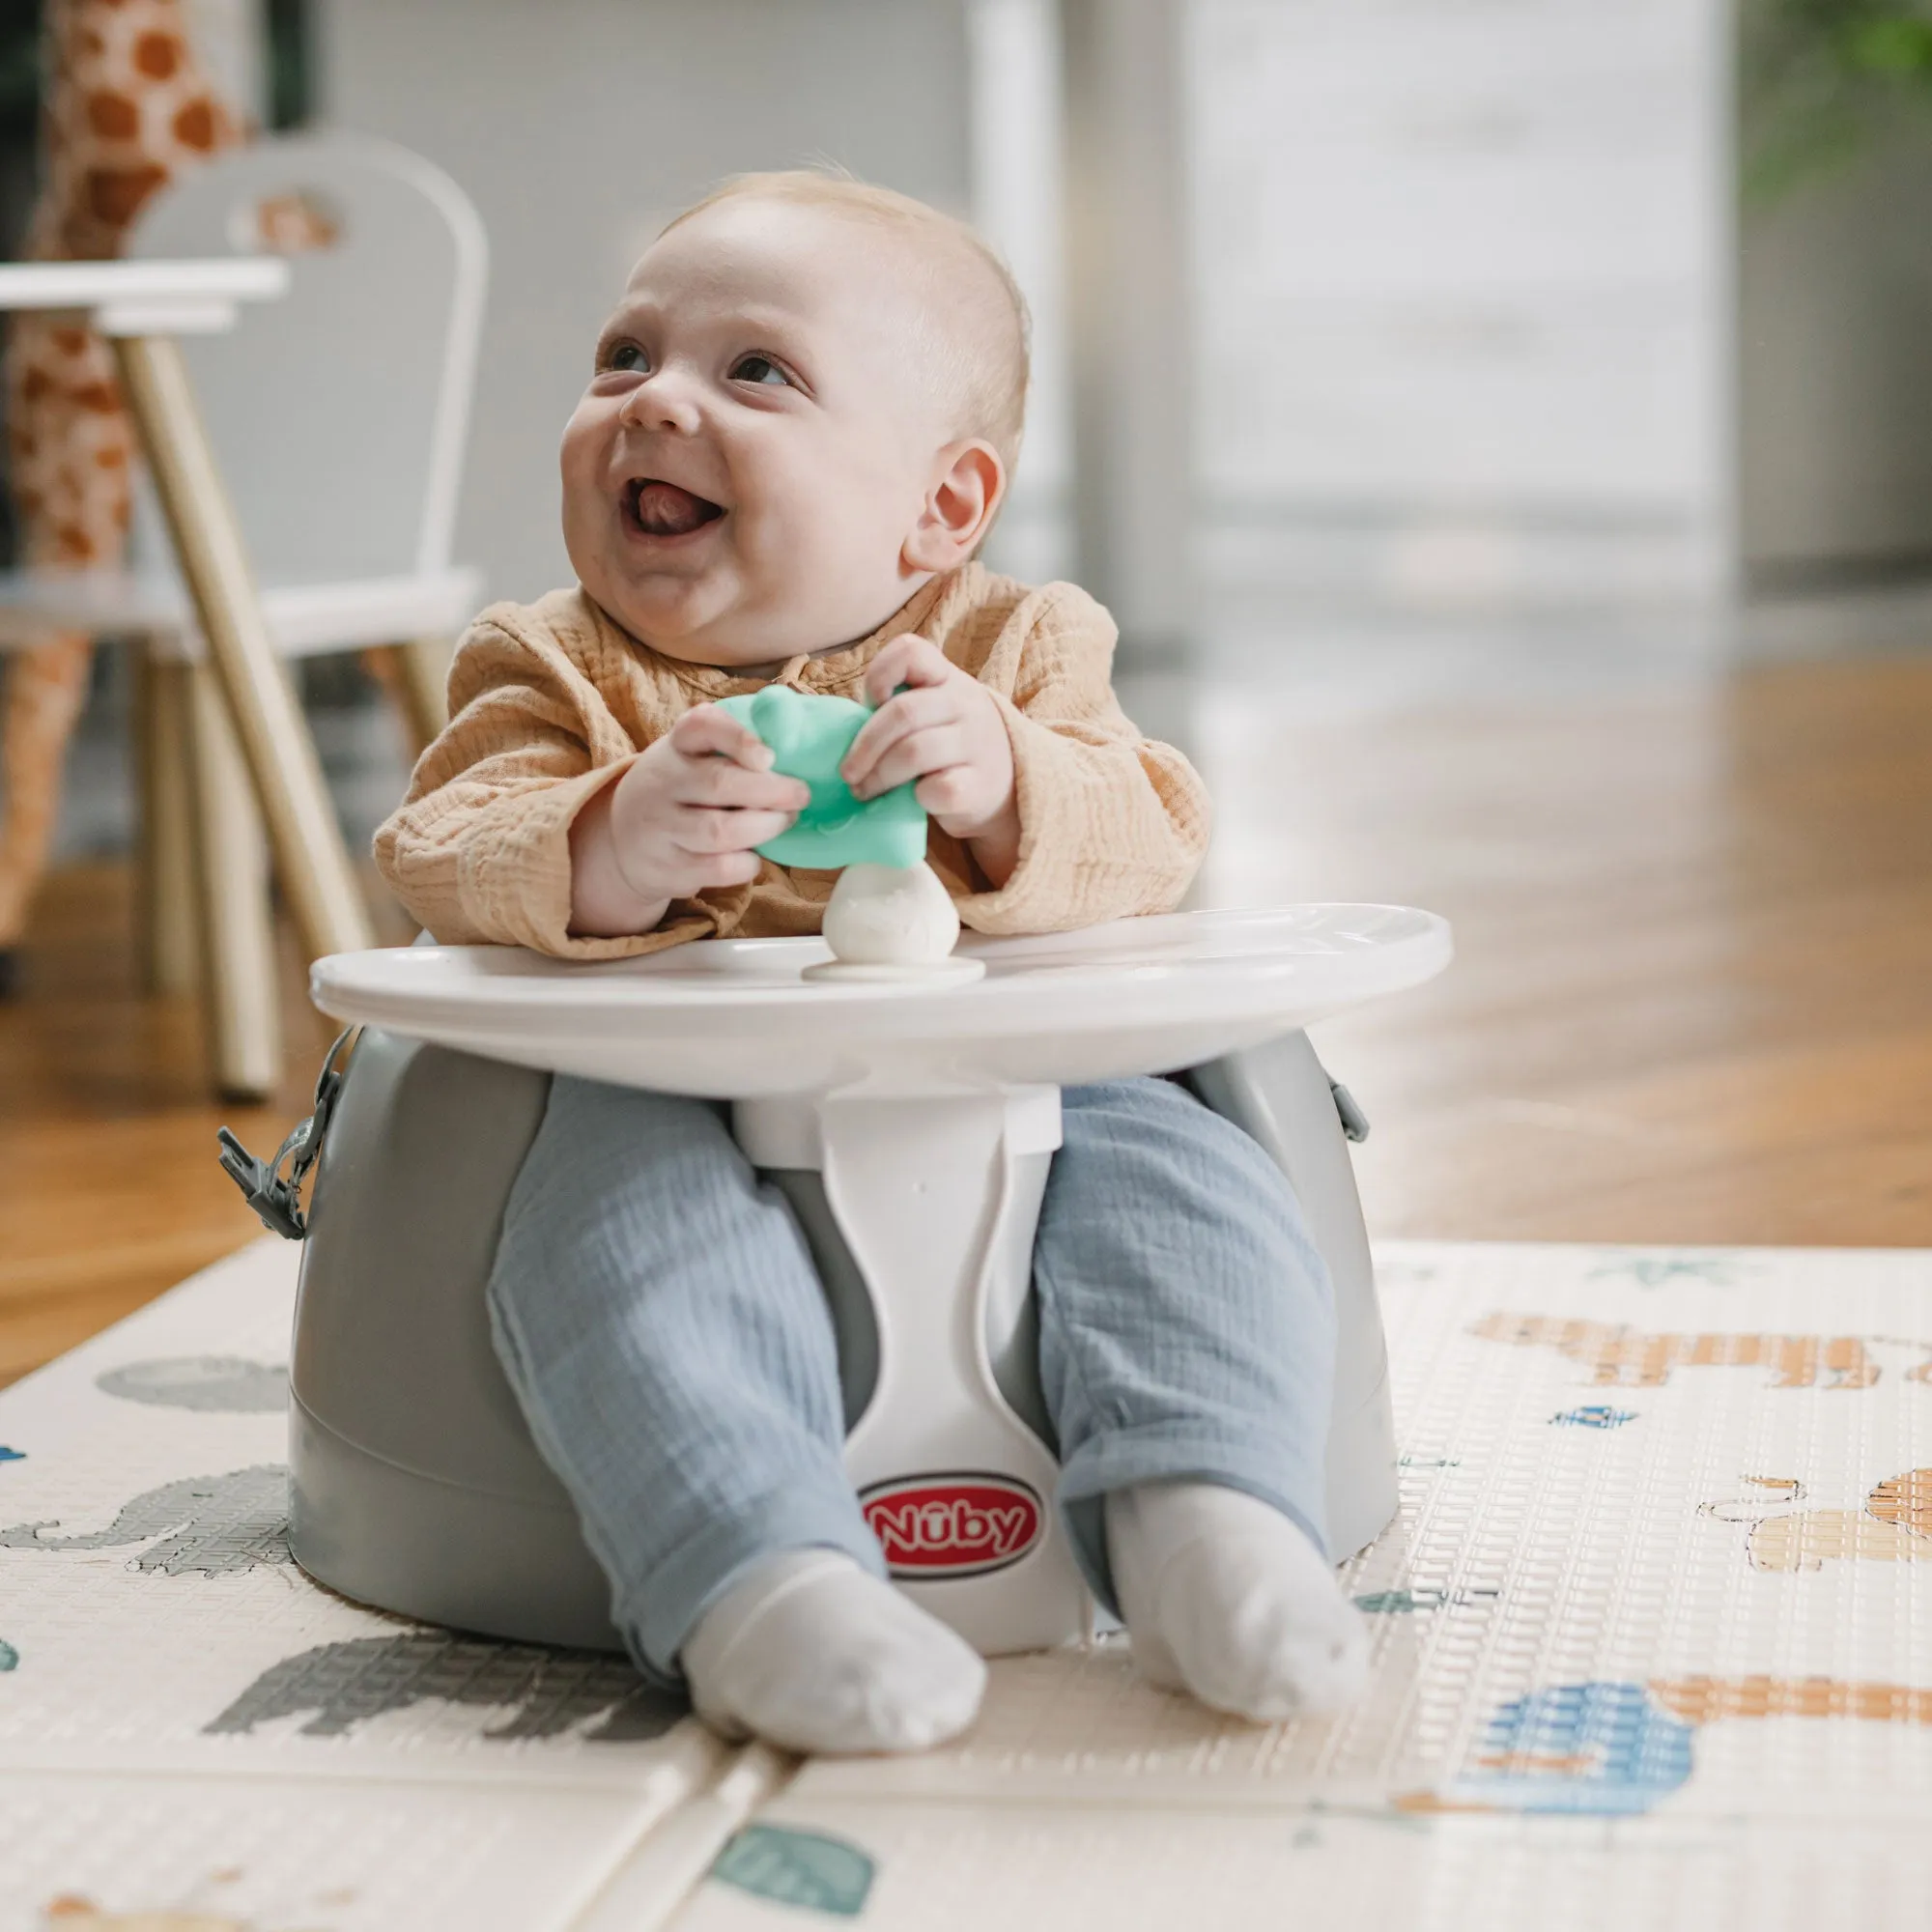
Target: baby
(795, 438)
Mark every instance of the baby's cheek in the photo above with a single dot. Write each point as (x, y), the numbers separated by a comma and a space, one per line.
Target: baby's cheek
(582, 438)
(583, 499)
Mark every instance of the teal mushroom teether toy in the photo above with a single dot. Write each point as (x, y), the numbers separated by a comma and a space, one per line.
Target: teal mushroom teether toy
(810, 736)
(888, 917)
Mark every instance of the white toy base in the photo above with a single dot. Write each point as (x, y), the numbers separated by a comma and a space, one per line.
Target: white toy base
(954, 972)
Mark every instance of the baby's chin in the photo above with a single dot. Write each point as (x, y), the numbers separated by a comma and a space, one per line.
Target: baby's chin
(720, 624)
(696, 623)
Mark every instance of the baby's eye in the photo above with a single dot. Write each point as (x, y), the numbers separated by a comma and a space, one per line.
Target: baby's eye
(625, 355)
(758, 369)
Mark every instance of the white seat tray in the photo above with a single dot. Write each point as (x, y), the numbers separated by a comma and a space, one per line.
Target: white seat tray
(732, 1019)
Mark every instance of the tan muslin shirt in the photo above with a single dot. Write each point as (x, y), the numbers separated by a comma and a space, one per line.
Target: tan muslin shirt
(551, 701)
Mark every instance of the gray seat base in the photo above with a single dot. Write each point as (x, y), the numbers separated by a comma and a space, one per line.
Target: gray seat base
(442, 1552)
(415, 1483)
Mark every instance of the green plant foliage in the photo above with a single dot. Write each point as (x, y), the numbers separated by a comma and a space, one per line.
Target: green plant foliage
(1821, 79)
(20, 69)
(286, 27)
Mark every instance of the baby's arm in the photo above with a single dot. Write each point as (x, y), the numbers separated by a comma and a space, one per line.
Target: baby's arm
(481, 851)
(943, 732)
(1069, 814)
(682, 820)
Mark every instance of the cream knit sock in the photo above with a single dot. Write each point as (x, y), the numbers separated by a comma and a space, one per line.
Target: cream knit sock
(808, 1651)
(1226, 1597)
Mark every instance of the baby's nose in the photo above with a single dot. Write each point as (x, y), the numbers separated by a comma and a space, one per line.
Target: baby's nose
(662, 402)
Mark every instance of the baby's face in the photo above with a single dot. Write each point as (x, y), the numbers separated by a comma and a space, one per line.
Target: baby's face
(746, 469)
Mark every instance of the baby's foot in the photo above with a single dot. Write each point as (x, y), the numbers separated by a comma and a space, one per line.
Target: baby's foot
(1226, 1597)
(810, 1651)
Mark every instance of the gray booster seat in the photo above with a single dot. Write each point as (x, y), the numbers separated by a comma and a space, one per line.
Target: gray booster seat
(416, 1485)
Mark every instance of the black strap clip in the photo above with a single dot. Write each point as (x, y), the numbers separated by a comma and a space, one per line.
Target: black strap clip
(275, 1196)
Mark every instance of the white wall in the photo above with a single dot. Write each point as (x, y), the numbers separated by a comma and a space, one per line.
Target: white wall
(578, 126)
(1018, 190)
(1464, 279)
(1130, 302)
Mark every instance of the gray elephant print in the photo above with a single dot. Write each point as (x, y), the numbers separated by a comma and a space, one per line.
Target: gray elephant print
(213, 1525)
(547, 1691)
(212, 1384)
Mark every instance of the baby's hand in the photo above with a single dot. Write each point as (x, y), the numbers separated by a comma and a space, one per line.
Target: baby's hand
(946, 735)
(687, 814)
(684, 818)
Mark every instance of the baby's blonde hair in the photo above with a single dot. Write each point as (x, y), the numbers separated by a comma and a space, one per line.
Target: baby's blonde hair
(979, 321)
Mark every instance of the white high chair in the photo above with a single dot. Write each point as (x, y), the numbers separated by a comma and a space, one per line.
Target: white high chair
(330, 438)
(338, 414)
(912, 1127)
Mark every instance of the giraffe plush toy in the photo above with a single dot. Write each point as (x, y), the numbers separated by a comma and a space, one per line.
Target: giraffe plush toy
(126, 108)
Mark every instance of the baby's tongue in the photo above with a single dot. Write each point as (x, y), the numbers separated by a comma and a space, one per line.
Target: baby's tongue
(666, 510)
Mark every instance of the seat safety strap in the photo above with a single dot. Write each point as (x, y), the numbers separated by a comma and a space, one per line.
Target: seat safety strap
(275, 1196)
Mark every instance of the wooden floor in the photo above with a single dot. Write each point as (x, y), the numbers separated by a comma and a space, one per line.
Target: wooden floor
(110, 1186)
(1692, 997)
(1692, 1000)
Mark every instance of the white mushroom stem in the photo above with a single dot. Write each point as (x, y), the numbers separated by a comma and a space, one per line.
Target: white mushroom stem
(891, 916)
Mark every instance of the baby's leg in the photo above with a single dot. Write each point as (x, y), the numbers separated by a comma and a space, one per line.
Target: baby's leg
(662, 1324)
(1187, 1352)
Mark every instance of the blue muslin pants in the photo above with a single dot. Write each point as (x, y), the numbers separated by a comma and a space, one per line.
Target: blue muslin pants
(665, 1333)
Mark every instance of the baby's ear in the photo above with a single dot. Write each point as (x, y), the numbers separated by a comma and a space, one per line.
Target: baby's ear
(969, 482)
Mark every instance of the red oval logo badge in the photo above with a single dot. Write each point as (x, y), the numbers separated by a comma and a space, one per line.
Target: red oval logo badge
(955, 1524)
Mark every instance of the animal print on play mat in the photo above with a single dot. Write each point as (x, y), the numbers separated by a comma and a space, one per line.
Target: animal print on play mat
(1660, 1656)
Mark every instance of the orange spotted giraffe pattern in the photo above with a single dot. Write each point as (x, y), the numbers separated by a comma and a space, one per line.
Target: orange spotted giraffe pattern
(1895, 1526)
(127, 106)
(1621, 1357)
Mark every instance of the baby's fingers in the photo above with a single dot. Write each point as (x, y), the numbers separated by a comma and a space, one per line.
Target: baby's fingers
(718, 784)
(708, 732)
(700, 832)
(910, 712)
(906, 660)
(918, 753)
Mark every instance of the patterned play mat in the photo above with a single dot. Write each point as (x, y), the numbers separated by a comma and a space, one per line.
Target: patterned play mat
(1654, 1649)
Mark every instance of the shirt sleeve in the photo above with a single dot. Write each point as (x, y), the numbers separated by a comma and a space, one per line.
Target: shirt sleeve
(1111, 824)
(479, 851)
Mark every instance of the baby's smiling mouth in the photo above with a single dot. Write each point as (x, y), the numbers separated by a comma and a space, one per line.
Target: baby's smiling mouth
(659, 509)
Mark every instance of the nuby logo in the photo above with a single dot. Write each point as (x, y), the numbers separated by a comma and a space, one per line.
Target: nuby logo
(942, 1526)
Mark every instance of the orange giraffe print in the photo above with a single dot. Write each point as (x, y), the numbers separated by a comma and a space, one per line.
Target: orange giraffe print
(1894, 1526)
(1623, 1357)
(126, 108)
(1699, 1700)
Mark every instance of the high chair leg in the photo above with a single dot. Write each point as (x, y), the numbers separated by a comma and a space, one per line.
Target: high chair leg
(231, 875)
(317, 875)
(417, 681)
(165, 881)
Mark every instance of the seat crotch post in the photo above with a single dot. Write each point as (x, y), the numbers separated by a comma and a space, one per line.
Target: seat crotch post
(230, 869)
(936, 1198)
(166, 887)
(311, 858)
